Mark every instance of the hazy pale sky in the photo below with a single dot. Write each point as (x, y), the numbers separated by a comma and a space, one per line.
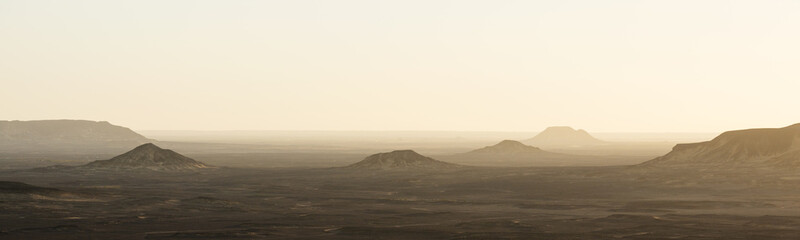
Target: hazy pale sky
(624, 66)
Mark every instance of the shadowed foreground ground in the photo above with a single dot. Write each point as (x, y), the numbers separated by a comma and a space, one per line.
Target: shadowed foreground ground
(467, 203)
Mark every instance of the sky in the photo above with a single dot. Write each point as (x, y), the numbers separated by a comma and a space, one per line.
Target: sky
(606, 66)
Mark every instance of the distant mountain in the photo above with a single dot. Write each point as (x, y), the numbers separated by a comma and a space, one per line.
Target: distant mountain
(400, 159)
(778, 147)
(509, 153)
(65, 135)
(509, 147)
(148, 156)
(563, 137)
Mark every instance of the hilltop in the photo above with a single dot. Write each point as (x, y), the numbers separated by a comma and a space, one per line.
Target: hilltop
(400, 159)
(508, 147)
(148, 156)
(511, 153)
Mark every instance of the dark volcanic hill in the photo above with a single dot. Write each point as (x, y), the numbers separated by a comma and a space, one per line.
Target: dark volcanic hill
(778, 147)
(563, 137)
(401, 159)
(65, 135)
(149, 156)
(509, 153)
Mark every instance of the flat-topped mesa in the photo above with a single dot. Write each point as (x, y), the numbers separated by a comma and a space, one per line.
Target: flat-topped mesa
(149, 156)
(400, 159)
(66, 132)
(751, 147)
(563, 136)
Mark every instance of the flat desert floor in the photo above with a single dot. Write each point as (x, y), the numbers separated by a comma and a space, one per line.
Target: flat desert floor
(465, 203)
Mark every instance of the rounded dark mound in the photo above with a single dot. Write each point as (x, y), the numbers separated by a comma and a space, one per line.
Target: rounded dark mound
(401, 159)
(151, 157)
